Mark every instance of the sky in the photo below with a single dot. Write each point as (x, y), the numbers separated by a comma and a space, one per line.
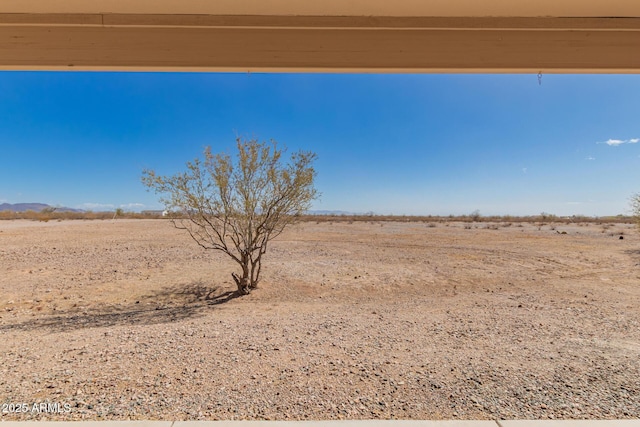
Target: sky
(402, 144)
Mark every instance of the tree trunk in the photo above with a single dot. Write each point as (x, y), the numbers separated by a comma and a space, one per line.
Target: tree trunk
(255, 271)
(250, 275)
(243, 283)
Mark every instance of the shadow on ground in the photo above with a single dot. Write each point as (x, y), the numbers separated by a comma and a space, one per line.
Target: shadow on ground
(169, 304)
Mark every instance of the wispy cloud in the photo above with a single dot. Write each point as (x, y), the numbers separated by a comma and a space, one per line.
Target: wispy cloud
(111, 206)
(94, 206)
(584, 202)
(524, 170)
(132, 206)
(590, 158)
(616, 142)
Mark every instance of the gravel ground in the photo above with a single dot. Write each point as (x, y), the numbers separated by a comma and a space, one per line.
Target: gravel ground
(129, 319)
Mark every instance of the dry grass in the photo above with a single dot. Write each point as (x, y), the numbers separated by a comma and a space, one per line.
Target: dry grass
(506, 220)
(430, 220)
(46, 216)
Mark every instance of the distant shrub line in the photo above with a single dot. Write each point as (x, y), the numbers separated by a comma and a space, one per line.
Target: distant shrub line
(55, 215)
(474, 217)
(432, 220)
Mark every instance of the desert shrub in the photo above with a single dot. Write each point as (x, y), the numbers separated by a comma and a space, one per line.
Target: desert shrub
(544, 216)
(635, 208)
(237, 206)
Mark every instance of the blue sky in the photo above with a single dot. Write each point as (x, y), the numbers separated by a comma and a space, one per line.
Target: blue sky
(391, 144)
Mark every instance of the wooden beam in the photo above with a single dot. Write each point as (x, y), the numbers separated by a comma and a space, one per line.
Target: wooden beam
(318, 44)
(401, 8)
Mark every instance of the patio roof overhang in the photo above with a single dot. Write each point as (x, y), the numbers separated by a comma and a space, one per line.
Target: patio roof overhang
(421, 36)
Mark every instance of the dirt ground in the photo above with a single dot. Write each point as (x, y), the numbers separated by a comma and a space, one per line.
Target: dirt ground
(130, 319)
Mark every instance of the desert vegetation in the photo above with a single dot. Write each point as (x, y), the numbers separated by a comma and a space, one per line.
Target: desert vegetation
(49, 215)
(503, 220)
(238, 206)
(432, 220)
(635, 207)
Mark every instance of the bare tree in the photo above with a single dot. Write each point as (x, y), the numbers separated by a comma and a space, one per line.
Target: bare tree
(237, 205)
(635, 207)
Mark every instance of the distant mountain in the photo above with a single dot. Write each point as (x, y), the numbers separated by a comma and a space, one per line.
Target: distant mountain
(23, 207)
(36, 207)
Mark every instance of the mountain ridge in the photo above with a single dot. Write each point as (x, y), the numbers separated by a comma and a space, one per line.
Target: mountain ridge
(36, 207)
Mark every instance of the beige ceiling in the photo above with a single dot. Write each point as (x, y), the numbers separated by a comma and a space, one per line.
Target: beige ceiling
(471, 8)
(424, 36)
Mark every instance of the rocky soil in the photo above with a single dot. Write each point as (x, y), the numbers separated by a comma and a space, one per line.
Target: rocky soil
(130, 319)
